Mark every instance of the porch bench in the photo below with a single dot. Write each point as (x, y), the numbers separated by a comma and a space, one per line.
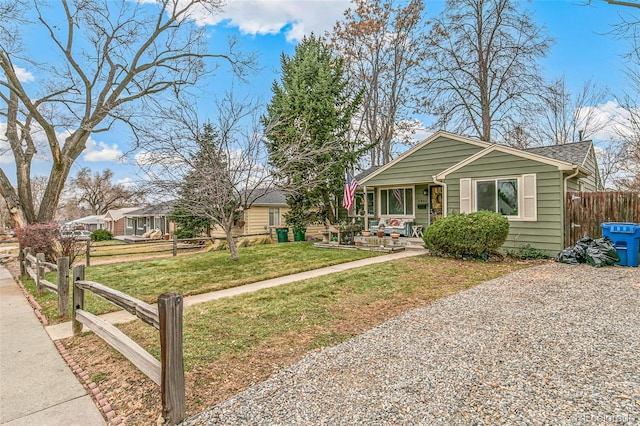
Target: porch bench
(402, 226)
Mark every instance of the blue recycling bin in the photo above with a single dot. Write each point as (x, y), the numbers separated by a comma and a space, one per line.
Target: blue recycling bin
(626, 239)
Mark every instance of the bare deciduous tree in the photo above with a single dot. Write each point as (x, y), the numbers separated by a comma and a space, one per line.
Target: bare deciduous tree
(482, 70)
(567, 117)
(213, 171)
(382, 42)
(100, 194)
(114, 57)
(628, 30)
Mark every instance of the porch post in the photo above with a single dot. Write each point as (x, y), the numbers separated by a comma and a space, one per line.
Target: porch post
(366, 208)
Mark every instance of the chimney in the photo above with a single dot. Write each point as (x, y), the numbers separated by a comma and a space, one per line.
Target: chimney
(580, 133)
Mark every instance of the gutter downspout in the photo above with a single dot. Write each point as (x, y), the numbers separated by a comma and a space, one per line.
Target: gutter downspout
(566, 179)
(445, 197)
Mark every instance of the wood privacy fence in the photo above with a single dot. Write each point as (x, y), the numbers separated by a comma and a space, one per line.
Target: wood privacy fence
(36, 266)
(167, 318)
(585, 211)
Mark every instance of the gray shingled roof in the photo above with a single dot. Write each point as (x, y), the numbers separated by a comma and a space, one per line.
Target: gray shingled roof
(272, 197)
(161, 209)
(366, 173)
(573, 153)
(261, 197)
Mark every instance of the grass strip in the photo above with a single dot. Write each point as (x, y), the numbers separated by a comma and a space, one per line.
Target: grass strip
(198, 273)
(230, 344)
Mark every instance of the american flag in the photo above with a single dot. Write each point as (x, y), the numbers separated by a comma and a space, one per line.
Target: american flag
(350, 186)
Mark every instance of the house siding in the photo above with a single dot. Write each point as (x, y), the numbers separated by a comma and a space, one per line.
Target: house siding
(547, 232)
(421, 165)
(591, 182)
(118, 227)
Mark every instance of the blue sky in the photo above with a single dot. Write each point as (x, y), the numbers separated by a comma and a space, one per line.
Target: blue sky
(582, 50)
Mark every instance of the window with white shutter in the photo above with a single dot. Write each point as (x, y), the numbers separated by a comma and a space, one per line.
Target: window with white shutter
(465, 195)
(529, 198)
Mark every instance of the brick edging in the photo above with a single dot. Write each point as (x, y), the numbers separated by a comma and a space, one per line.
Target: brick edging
(32, 301)
(83, 376)
(94, 390)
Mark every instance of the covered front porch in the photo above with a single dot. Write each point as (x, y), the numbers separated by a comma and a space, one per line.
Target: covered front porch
(373, 243)
(407, 209)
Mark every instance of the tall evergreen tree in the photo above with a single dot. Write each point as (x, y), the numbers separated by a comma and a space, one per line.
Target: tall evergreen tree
(309, 116)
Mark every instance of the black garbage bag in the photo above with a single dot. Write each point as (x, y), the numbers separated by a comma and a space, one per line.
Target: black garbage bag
(598, 253)
(567, 255)
(602, 253)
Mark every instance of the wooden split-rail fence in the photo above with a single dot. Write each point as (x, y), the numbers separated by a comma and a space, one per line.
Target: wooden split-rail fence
(36, 267)
(168, 373)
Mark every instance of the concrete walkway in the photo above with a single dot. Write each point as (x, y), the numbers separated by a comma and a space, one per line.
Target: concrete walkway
(36, 385)
(64, 330)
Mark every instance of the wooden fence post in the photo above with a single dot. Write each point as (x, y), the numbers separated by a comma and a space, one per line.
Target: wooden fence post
(25, 254)
(172, 387)
(78, 297)
(63, 286)
(39, 271)
(88, 254)
(175, 245)
(21, 260)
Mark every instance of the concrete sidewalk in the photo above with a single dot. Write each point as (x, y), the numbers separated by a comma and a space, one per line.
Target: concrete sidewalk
(64, 330)
(36, 385)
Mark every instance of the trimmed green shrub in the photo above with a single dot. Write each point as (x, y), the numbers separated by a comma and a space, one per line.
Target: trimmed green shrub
(101, 235)
(526, 252)
(472, 234)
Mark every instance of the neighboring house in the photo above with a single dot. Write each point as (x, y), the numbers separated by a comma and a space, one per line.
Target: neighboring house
(115, 220)
(141, 220)
(265, 214)
(90, 223)
(447, 173)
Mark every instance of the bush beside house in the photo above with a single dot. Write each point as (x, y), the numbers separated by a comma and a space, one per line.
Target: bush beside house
(474, 234)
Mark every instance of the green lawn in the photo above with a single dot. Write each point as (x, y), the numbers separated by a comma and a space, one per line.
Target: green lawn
(199, 273)
(232, 343)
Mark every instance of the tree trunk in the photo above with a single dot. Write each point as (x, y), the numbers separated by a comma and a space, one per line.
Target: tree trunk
(232, 244)
(51, 197)
(12, 201)
(331, 217)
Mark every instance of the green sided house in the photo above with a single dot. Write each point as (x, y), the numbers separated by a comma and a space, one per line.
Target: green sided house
(448, 173)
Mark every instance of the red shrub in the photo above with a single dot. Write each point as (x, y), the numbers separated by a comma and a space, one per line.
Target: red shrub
(42, 238)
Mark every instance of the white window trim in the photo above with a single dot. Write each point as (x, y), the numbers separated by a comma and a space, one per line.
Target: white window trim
(371, 214)
(279, 216)
(391, 215)
(527, 196)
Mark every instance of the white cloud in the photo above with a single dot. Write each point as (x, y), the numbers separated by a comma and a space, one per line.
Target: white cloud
(610, 118)
(23, 75)
(100, 151)
(297, 18)
(126, 182)
(39, 139)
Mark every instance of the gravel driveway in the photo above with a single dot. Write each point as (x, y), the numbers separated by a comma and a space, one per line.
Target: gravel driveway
(553, 344)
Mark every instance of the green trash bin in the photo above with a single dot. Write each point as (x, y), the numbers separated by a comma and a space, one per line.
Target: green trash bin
(299, 235)
(283, 234)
